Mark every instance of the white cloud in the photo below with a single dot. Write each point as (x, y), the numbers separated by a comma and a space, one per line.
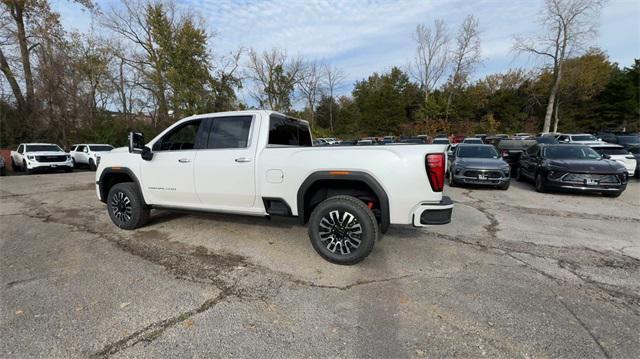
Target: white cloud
(363, 36)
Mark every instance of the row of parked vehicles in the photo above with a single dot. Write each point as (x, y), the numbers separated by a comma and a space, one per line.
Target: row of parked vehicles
(564, 161)
(34, 157)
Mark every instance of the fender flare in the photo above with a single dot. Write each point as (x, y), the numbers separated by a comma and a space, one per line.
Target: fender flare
(125, 170)
(346, 176)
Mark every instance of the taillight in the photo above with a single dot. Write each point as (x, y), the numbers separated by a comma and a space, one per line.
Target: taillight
(505, 153)
(435, 171)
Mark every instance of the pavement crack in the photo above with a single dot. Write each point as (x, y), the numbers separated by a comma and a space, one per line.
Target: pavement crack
(153, 331)
(584, 326)
(352, 285)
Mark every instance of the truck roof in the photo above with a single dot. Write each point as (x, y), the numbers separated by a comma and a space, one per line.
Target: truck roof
(266, 113)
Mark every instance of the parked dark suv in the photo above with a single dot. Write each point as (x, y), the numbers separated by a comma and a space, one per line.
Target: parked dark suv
(574, 167)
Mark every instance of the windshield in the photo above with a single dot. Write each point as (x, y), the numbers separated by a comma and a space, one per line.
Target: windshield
(472, 140)
(477, 152)
(584, 138)
(440, 141)
(100, 148)
(43, 148)
(571, 152)
(628, 139)
(611, 151)
(635, 150)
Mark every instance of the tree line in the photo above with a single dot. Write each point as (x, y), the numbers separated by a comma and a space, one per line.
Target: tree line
(147, 63)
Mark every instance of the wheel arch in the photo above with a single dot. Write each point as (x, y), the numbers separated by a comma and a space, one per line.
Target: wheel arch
(324, 184)
(111, 176)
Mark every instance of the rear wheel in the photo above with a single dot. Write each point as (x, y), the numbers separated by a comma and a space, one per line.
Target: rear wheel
(541, 185)
(343, 230)
(126, 206)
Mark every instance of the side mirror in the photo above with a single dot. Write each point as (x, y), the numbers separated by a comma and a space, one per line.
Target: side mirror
(605, 156)
(146, 154)
(136, 142)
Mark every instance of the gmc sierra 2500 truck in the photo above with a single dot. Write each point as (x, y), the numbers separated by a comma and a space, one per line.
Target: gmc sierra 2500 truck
(262, 163)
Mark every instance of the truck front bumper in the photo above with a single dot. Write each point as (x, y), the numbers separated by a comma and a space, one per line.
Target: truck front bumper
(429, 214)
(33, 165)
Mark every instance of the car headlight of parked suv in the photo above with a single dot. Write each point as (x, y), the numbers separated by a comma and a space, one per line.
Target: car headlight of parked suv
(31, 157)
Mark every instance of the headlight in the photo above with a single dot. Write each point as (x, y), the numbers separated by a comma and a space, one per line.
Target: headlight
(31, 157)
(68, 157)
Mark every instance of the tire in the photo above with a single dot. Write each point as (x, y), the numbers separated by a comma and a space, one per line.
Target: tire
(73, 163)
(25, 168)
(331, 214)
(540, 183)
(504, 186)
(615, 194)
(92, 165)
(126, 207)
(14, 166)
(519, 176)
(452, 181)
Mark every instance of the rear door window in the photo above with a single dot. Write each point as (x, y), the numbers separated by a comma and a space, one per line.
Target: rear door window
(229, 132)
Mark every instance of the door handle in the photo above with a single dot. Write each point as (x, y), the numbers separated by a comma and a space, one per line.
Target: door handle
(243, 159)
(184, 160)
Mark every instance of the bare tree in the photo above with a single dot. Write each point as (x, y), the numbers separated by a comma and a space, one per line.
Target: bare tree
(130, 23)
(465, 56)
(333, 77)
(432, 55)
(567, 25)
(310, 86)
(275, 77)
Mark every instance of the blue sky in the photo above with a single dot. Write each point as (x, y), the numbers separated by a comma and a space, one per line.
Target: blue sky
(361, 37)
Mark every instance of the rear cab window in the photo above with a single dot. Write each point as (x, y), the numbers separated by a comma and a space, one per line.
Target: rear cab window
(286, 131)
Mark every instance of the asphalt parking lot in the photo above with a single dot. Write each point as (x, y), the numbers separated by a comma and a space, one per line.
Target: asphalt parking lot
(516, 274)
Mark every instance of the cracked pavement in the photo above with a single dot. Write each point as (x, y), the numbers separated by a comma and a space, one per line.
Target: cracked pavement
(516, 274)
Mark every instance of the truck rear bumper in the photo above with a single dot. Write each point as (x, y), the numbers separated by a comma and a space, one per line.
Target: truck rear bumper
(429, 214)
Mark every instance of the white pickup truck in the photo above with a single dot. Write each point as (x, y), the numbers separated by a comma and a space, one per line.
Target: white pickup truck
(262, 163)
(31, 157)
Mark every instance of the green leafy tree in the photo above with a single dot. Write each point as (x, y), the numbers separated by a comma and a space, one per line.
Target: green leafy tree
(386, 101)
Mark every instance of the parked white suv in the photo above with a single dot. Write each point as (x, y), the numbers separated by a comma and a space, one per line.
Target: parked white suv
(580, 139)
(31, 157)
(88, 154)
(618, 153)
(261, 163)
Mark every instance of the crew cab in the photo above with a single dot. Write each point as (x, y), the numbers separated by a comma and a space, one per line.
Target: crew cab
(31, 157)
(262, 163)
(88, 154)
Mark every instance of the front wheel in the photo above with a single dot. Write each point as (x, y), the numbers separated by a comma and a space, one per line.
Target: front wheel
(25, 168)
(541, 185)
(343, 230)
(452, 181)
(92, 165)
(126, 206)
